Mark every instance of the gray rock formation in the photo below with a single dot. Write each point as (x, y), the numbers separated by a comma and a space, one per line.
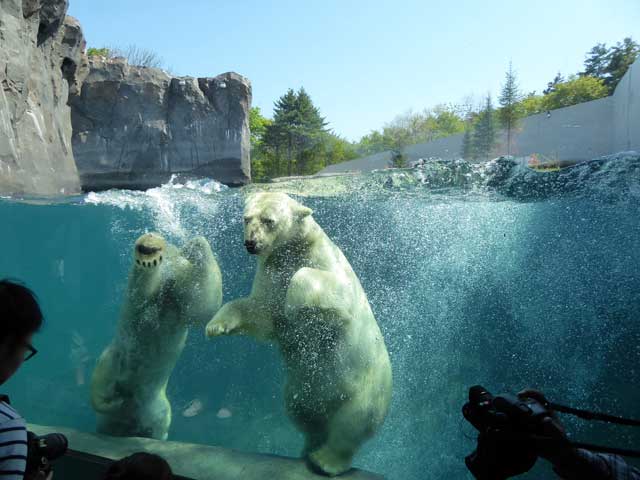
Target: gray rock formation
(41, 62)
(133, 127)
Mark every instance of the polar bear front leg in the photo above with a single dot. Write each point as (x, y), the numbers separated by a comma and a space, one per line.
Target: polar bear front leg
(241, 317)
(320, 291)
(200, 281)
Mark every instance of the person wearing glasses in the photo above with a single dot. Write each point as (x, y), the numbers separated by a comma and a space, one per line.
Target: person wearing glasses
(20, 318)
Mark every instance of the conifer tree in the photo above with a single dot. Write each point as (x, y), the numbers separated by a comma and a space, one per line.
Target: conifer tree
(509, 100)
(296, 130)
(467, 141)
(484, 135)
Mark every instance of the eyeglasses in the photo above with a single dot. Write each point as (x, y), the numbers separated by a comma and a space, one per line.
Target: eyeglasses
(31, 351)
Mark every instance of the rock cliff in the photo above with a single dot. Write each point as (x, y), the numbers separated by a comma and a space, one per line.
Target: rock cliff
(133, 127)
(41, 62)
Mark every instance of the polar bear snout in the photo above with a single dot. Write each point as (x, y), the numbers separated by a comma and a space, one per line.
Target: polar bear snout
(251, 246)
(147, 250)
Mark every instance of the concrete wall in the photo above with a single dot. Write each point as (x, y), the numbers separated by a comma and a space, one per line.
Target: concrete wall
(626, 111)
(580, 132)
(448, 147)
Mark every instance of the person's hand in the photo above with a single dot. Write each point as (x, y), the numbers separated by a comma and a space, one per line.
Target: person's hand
(40, 475)
(558, 447)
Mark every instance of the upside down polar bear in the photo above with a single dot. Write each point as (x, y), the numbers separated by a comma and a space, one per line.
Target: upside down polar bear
(168, 291)
(307, 299)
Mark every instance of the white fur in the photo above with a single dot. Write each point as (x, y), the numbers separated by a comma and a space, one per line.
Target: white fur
(182, 288)
(307, 299)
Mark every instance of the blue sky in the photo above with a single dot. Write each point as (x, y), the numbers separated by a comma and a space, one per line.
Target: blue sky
(364, 62)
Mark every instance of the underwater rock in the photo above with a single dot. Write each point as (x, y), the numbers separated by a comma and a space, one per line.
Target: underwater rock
(201, 462)
(612, 176)
(41, 61)
(133, 127)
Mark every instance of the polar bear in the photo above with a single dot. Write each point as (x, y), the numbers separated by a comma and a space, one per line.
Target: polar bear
(168, 291)
(307, 299)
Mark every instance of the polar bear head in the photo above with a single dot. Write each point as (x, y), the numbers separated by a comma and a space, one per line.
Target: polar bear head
(271, 220)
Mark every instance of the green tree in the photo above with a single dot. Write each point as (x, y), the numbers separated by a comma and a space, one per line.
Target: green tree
(532, 104)
(551, 86)
(484, 135)
(99, 52)
(296, 133)
(335, 149)
(610, 64)
(511, 111)
(257, 125)
(411, 128)
(575, 90)
(261, 161)
(398, 159)
(467, 139)
(309, 133)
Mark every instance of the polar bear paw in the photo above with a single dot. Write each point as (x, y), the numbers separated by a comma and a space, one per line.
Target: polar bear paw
(217, 328)
(149, 250)
(328, 461)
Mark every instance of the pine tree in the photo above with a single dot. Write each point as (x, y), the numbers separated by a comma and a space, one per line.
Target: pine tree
(553, 85)
(296, 130)
(509, 100)
(467, 141)
(309, 130)
(610, 64)
(484, 136)
(278, 135)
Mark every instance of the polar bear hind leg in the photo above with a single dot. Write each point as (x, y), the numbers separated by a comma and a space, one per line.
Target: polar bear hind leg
(348, 428)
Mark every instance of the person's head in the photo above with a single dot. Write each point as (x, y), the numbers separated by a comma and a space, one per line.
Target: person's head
(140, 466)
(20, 318)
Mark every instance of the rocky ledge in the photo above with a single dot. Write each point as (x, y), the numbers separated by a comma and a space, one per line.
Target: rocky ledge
(133, 127)
(42, 61)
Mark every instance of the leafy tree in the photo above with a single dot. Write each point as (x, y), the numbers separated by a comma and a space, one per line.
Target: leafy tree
(510, 111)
(575, 90)
(371, 143)
(336, 149)
(257, 125)
(532, 104)
(484, 135)
(411, 128)
(610, 64)
(260, 161)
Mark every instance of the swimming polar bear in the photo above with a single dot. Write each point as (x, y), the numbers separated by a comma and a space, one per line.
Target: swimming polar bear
(307, 299)
(168, 291)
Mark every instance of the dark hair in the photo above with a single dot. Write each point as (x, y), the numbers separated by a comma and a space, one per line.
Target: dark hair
(140, 466)
(20, 314)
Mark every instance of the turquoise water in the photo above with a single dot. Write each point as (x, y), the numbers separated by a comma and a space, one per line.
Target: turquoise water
(469, 285)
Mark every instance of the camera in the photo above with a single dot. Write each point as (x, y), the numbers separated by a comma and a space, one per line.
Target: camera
(507, 427)
(41, 451)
